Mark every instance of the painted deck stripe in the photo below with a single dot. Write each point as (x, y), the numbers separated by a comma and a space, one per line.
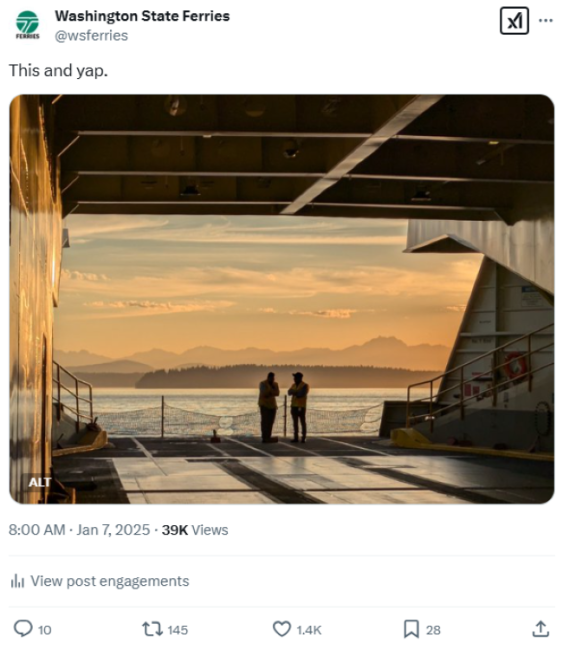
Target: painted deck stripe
(274, 490)
(301, 448)
(371, 451)
(260, 451)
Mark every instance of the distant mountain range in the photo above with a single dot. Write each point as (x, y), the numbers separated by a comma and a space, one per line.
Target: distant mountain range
(79, 358)
(388, 352)
(120, 366)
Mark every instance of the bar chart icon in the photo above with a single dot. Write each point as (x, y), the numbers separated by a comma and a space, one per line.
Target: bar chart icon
(17, 584)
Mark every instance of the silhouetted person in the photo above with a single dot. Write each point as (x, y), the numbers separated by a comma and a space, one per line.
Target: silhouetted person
(269, 390)
(299, 391)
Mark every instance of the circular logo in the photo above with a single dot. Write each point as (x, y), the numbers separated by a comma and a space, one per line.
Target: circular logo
(27, 22)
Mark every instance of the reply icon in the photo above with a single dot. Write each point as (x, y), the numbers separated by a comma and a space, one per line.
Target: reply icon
(23, 627)
(411, 629)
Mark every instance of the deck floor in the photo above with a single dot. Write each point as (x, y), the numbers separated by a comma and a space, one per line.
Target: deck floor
(327, 469)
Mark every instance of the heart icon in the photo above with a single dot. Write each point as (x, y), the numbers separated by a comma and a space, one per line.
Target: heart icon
(282, 627)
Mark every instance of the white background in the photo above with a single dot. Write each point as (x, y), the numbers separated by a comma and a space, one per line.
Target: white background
(496, 562)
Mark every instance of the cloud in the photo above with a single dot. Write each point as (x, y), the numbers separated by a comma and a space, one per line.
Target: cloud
(327, 313)
(450, 281)
(456, 308)
(84, 229)
(221, 230)
(318, 313)
(152, 308)
(272, 239)
(67, 275)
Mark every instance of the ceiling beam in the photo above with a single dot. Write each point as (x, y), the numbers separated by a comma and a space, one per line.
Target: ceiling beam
(473, 139)
(489, 160)
(182, 189)
(173, 208)
(405, 112)
(166, 202)
(190, 133)
(433, 193)
(448, 179)
(363, 211)
(70, 177)
(198, 173)
(273, 210)
(265, 157)
(407, 206)
(402, 211)
(283, 191)
(183, 133)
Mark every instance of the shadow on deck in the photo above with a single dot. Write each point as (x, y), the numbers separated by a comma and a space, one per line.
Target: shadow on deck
(327, 469)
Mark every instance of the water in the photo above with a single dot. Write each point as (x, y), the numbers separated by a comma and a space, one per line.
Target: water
(228, 403)
(236, 401)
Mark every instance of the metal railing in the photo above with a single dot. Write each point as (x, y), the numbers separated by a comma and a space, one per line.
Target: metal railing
(82, 408)
(515, 367)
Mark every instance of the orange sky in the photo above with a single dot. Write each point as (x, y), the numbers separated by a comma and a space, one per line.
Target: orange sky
(134, 283)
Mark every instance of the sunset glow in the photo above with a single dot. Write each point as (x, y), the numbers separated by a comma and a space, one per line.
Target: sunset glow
(132, 283)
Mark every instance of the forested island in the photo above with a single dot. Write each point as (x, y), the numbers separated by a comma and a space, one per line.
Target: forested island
(248, 376)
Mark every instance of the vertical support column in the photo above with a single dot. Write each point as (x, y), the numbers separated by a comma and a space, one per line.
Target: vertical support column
(431, 410)
(162, 418)
(495, 370)
(285, 416)
(529, 363)
(59, 407)
(461, 394)
(77, 406)
(498, 316)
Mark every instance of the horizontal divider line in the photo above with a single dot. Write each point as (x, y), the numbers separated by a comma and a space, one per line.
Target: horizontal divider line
(292, 606)
(316, 555)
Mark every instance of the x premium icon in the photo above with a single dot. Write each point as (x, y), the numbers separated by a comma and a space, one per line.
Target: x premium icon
(514, 20)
